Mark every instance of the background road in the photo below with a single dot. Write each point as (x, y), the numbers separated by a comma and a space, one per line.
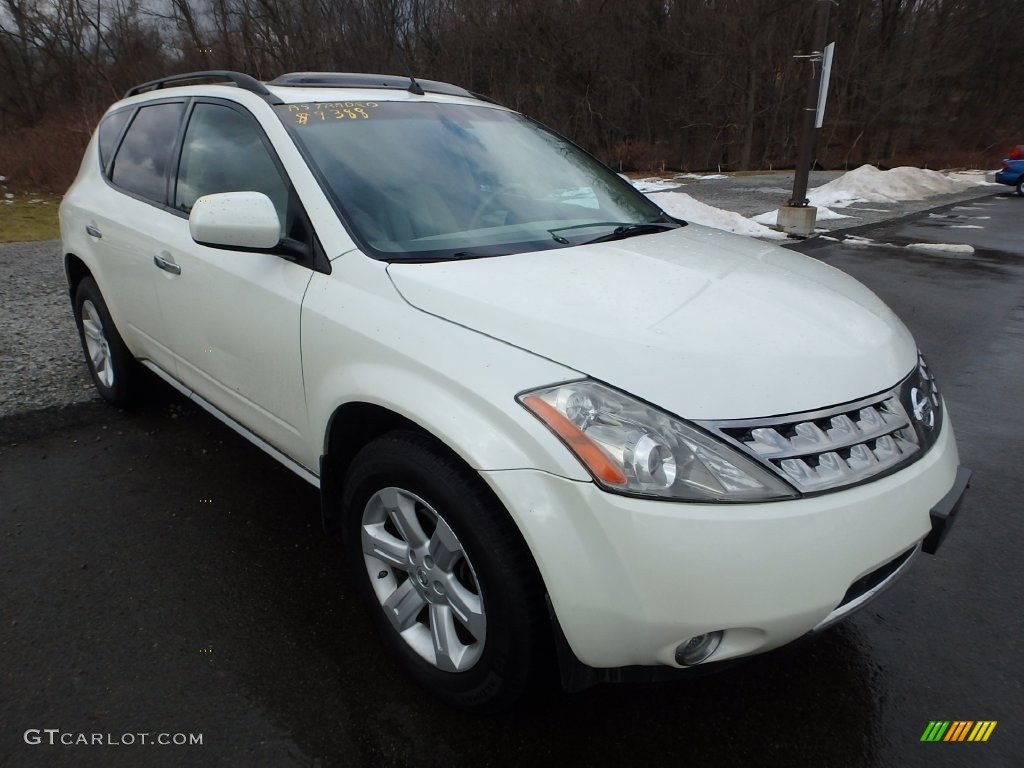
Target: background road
(159, 574)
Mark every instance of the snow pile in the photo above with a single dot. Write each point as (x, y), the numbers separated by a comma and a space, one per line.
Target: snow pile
(974, 178)
(937, 249)
(661, 184)
(858, 242)
(867, 184)
(653, 185)
(770, 218)
(681, 205)
(942, 248)
(827, 214)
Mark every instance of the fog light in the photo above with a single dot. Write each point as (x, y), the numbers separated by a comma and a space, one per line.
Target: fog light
(698, 649)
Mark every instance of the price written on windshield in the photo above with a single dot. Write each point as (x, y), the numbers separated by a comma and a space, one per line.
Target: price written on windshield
(324, 111)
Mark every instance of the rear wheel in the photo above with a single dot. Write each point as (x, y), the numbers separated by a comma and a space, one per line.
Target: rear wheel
(454, 591)
(111, 365)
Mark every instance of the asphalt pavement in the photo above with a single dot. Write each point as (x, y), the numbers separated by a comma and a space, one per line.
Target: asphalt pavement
(160, 575)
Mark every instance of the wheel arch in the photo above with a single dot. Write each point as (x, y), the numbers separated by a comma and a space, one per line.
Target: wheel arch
(354, 425)
(351, 427)
(75, 270)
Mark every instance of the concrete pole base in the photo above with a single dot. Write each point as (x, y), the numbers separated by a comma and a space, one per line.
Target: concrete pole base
(797, 220)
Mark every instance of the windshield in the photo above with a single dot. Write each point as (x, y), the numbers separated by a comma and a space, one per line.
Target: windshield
(425, 180)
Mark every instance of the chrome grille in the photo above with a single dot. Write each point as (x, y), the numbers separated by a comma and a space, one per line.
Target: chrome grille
(834, 447)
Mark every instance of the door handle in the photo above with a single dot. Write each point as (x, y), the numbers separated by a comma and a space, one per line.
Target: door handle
(90, 229)
(166, 263)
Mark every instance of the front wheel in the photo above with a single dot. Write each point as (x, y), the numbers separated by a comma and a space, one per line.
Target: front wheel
(1020, 186)
(455, 592)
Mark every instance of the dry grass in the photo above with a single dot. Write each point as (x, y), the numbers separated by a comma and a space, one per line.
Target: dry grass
(44, 157)
(28, 217)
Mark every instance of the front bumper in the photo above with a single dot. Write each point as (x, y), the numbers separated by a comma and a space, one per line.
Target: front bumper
(944, 513)
(630, 579)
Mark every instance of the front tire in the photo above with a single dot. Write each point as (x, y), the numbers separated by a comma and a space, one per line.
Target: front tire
(1020, 186)
(111, 365)
(454, 590)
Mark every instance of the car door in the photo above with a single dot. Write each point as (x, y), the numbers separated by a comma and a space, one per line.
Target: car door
(232, 317)
(125, 220)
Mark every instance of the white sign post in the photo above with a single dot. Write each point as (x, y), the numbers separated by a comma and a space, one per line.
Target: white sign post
(826, 73)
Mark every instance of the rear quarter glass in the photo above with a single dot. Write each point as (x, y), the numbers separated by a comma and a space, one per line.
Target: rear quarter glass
(110, 132)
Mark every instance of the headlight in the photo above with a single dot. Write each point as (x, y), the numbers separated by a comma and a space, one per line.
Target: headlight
(630, 447)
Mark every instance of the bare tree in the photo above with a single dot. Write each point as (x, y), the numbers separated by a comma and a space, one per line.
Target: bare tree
(689, 84)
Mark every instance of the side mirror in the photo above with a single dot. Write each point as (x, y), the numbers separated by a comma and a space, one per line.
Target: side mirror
(243, 220)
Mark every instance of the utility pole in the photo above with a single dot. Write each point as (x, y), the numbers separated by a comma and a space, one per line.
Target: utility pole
(796, 216)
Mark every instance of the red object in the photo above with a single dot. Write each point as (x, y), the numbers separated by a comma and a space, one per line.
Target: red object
(1017, 153)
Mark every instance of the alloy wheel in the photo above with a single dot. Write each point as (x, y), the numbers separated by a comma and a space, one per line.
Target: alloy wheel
(96, 344)
(424, 579)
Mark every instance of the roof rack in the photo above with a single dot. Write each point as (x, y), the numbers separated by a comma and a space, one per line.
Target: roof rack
(240, 79)
(359, 80)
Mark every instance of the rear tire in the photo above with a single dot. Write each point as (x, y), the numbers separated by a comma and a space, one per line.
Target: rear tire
(113, 369)
(454, 590)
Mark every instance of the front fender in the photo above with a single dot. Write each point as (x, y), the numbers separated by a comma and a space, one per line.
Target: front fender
(361, 342)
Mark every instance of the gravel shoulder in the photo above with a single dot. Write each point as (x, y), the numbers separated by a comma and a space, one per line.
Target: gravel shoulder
(41, 361)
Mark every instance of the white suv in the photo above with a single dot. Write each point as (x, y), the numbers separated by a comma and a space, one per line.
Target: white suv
(548, 419)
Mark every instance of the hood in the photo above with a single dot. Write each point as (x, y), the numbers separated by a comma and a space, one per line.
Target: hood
(702, 323)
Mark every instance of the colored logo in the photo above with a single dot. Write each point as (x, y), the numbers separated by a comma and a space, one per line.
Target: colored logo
(958, 730)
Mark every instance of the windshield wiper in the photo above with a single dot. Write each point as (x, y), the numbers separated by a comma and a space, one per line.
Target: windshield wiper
(622, 229)
(630, 230)
(589, 225)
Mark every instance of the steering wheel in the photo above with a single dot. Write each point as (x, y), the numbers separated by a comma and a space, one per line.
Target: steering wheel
(485, 205)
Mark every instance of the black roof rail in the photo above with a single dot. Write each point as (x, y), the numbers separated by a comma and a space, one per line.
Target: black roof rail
(240, 79)
(360, 80)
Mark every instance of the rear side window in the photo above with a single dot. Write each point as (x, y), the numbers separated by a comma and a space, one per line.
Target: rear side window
(141, 163)
(110, 132)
